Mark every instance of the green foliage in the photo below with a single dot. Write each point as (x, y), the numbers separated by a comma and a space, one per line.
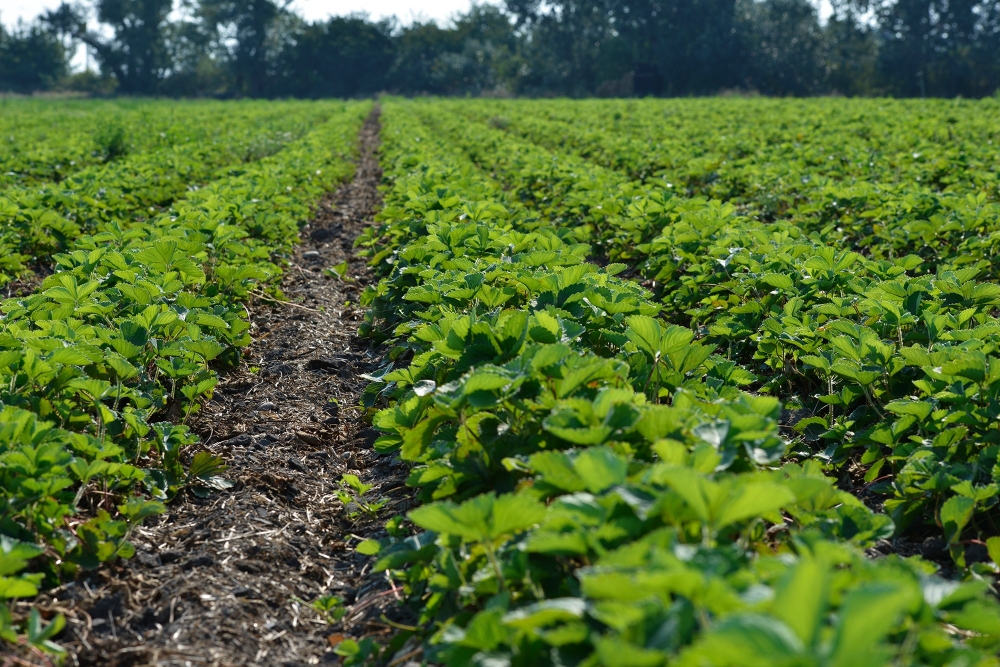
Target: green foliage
(111, 138)
(104, 363)
(875, 328)
(353, 494)
(137, 165)
(604, 477)
(330, 607)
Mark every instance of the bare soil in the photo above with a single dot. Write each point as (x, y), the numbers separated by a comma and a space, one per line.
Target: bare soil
(227, 579)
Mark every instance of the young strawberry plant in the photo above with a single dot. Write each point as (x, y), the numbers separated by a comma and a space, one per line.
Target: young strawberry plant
(104, 363)
(787, 304)
(39, 220)
(598, 485)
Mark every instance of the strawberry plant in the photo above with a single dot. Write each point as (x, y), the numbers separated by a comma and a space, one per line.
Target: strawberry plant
(606, 472)
(784, 302)
(104, 363)
(137, 186)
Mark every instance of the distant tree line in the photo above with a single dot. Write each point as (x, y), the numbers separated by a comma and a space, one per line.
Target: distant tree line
(258, 48)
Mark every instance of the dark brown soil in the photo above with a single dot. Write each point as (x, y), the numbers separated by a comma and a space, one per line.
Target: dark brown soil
(227, 580)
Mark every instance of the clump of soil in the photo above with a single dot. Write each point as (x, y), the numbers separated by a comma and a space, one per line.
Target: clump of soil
(227, 579)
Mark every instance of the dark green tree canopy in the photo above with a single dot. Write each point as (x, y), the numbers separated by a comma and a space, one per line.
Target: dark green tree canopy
(258, 48)
(136, 54)
(31, 58)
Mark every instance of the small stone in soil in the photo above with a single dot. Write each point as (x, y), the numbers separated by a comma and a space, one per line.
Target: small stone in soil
(308, 438)
(279, 369)
(266, 406)
(198, 561)
(311, 254)
(325, 234)
(368, 436)
(242, 440)
(325, 363)
(148, 559)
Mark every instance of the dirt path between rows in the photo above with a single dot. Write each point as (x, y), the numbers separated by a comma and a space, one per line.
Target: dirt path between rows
(226, 580)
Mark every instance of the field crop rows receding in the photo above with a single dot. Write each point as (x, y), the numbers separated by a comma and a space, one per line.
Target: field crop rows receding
(103, 364)
(42, 142)
(43, 218)
(672, 385)
(626, 476)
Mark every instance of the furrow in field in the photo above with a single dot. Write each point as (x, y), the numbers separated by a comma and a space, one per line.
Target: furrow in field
(104, 365)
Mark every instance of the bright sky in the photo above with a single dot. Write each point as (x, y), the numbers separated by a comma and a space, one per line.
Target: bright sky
(406, 10)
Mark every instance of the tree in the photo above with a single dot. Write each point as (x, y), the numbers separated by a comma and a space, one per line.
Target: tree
(137, 54)
(566, 44)
(31, 58)
(244, 27)
(782, 41)
(65, 22)
(341, 57)
(195, 68)
(477, 54)
(849, 51)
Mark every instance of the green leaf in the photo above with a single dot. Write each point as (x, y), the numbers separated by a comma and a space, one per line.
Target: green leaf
(750, 640)
(802, 598)
(645, 332)
(368, 547)
(205, 464)
(482, 518)
(993, 547)
(206, 348)
(600, 468)
(752, 500)
(545, 613)
(955, 515)
(777, 280)
(866, 617)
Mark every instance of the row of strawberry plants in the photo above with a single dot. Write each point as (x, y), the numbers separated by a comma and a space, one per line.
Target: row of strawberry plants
(37, 221)
(857, 344)
(48, 141)
(103, 365)
(597, 488)
(620, 216)
(564, 190)
(927, 178)
(727, 148)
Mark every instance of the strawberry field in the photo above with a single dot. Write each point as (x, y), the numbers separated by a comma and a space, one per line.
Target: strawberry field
(604, 382)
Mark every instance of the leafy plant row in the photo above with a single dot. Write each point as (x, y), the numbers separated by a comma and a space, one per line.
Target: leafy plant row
(874, 175)
(38, 221)
(805, 318)
(598, 489)
(51, 140)
(752, 149)
(101, 367)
